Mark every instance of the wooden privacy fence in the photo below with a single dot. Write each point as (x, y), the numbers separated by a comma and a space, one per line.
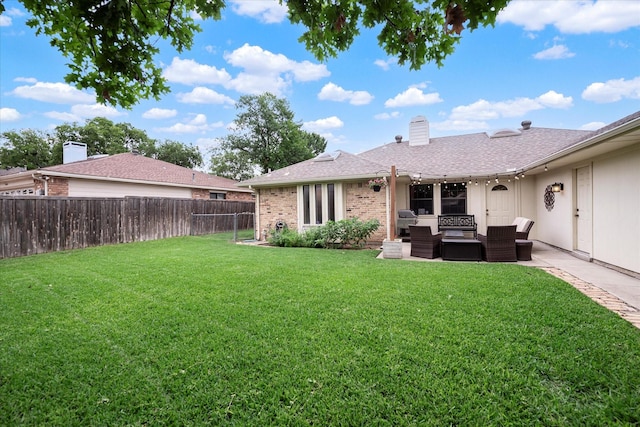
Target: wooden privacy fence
(32, 225)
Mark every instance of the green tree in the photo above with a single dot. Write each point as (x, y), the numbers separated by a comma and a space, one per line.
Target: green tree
(111, 44)
(27, 148)
(265, 136)
(103, 136)
(179, 154)
(34, 149)
(232, 164)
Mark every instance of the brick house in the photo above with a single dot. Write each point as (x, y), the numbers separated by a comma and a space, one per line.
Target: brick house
(120, 175)
(494, 176)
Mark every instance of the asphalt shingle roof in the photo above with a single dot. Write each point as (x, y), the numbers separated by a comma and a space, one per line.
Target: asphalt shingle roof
(454, 156)
(474, 154)
(339, 164)
(136, 167)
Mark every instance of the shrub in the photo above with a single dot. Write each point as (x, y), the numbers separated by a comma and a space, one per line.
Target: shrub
(334, 234)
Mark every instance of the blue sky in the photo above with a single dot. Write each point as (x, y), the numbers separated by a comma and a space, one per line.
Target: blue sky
(561, 64)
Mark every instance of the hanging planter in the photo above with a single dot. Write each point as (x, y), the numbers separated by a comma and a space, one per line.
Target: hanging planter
(377, 184)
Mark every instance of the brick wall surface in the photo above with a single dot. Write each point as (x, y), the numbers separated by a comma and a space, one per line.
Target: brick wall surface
(199, 193)
(203, 194)
(360, 202)
(58, 186)
(234, 195)
(278, 203)
(365, 204)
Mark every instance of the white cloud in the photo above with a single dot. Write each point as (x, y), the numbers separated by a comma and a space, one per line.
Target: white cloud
(333, 92)
(592, 126)
(189, 72)
(14, 12)
(198, 124)
(9, 115)
(619, 44)
(267, 11)
(387, 116)
(334, 139)
(255, 60)
(5, 18)
(559, 51)
(553, 99)
(62, 116)
(384, 64)
(159, 113)
(612, 90)
(203, 95)
(573, 16)
(321, 125)
(56, 93)
(206, 144)
(413, 96)
(25, 79)
(84, 111)
(89, 111)
(485, 110)
(265, 71)
(255, 84)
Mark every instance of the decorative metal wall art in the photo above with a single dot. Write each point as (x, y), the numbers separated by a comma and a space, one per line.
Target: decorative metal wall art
(549, 198)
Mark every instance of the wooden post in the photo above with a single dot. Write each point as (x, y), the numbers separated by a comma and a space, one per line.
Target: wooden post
(392, 202)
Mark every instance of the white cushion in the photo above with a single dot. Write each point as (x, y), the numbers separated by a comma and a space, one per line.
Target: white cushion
(520, 223)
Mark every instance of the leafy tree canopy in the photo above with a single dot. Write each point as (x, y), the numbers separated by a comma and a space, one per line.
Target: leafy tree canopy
(111, 43)
(179, 154)
(265, 137)
(28, 149)
(34, 149)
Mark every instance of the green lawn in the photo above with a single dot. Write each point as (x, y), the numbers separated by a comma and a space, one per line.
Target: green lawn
(200, 331)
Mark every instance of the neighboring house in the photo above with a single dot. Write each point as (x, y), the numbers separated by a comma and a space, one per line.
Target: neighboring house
(120, 175)
(494, 176)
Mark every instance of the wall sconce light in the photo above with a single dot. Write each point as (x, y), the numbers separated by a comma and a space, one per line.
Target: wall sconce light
(557, 187)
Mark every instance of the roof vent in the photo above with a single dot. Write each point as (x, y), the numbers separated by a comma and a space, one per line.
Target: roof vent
(398, 138)
(327, 157)
(526, 124)
(501, 133)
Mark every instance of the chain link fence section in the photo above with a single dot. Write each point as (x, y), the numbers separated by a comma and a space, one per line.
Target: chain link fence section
(202, 224)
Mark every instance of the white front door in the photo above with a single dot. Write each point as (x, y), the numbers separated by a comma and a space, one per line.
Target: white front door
(583, 209)
(500, 204)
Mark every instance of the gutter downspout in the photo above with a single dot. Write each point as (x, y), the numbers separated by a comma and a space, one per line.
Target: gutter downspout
(45, 180)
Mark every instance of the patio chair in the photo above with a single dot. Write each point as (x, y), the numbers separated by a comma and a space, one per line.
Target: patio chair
(523, 226)
(499, 244)
(423, 243)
